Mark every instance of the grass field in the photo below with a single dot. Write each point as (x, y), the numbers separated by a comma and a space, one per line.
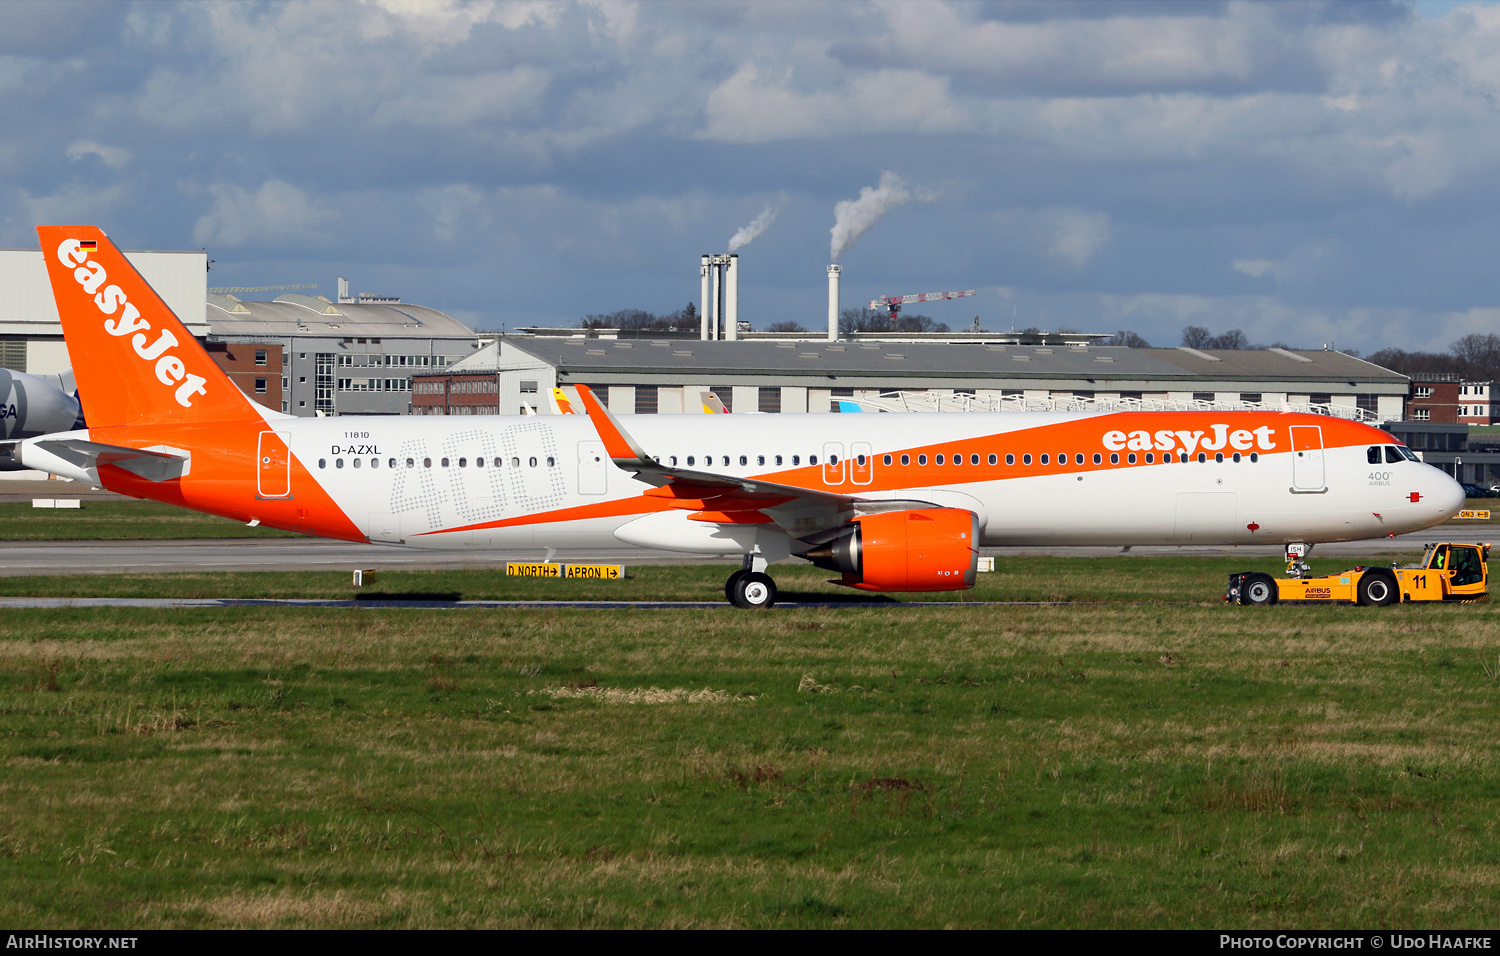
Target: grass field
(121, 520)
(1196, 579)
(1119, 764)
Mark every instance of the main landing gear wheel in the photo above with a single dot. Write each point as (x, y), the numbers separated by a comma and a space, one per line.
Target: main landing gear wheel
(753, 591)
(1376, 589)
(1259, 589)
(734, 580)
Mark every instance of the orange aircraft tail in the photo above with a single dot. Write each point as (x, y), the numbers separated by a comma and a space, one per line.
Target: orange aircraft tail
(134, 361)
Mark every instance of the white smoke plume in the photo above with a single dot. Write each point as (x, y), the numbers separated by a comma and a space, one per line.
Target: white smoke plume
(852, 217)
(757, 226)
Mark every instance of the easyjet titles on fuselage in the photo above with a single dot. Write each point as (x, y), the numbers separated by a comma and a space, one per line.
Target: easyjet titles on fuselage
(1219, 436)
(170, 370)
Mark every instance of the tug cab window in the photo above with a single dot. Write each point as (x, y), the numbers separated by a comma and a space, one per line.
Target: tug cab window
(1465, 566)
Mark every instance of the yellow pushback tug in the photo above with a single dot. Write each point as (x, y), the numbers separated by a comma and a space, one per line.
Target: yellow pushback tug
(1448, 571)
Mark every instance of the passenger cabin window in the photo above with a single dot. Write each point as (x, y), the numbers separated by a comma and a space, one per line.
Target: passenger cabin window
(905, 459)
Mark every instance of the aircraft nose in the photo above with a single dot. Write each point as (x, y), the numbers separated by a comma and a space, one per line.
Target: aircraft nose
(1446, 495)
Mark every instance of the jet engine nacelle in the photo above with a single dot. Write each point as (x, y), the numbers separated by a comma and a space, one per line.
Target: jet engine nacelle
(33, 405)
(924, 549)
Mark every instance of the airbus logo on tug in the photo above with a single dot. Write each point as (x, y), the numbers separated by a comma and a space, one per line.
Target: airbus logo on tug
(170, 370)
(1241, 439)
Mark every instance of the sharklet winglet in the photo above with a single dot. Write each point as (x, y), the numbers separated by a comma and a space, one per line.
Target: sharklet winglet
(623, 449)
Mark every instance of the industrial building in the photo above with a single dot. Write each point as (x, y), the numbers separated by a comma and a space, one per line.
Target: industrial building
(311, 356)
(31, 338)
(666, 376)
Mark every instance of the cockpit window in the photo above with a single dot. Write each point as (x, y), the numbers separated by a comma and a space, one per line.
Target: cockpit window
(1393, 454)
(1372, 454)
(1407, 453)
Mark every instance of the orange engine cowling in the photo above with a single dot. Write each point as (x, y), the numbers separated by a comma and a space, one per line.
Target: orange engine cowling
(925, 549)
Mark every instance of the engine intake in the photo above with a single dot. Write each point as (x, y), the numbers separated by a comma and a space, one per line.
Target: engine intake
(924, 549)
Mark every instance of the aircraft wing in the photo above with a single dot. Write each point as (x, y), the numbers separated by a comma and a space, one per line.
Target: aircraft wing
(728, 499)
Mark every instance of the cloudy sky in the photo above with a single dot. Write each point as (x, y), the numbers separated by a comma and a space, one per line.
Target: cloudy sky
(1309, 172)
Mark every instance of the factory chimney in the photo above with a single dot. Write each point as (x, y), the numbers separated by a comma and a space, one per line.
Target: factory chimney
(833, 302)
(720, 319)
(732, 298)
(705, 307)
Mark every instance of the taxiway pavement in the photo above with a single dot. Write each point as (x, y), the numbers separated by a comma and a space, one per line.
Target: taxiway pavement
(311, 554)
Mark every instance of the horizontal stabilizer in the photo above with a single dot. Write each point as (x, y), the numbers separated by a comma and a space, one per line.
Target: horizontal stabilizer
(149, 464)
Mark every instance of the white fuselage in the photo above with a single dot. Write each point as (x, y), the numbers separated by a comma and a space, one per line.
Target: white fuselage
(546, 482)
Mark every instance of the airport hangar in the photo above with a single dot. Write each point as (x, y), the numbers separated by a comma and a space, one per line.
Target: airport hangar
(298, 354)
(306, 355)
(512, 373)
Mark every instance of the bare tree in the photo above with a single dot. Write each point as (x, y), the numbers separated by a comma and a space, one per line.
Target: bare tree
(1479, 352)
(1128, 339)
(785, 327)
(1196, 337)
(867, 320)
(1233, 339)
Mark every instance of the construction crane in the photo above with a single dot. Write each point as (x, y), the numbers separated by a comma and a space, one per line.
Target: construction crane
(893, 303)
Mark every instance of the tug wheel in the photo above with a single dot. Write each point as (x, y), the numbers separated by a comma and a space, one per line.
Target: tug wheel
(1259, 589)
(1376, 589)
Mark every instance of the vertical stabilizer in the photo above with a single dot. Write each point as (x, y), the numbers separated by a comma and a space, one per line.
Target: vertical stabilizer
(134, 361)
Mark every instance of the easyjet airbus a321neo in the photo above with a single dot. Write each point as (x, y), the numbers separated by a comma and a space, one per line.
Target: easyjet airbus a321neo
(897, 502)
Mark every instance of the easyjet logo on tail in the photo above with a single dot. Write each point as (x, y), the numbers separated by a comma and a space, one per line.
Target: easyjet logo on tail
(170, 370)
(1241, 439)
